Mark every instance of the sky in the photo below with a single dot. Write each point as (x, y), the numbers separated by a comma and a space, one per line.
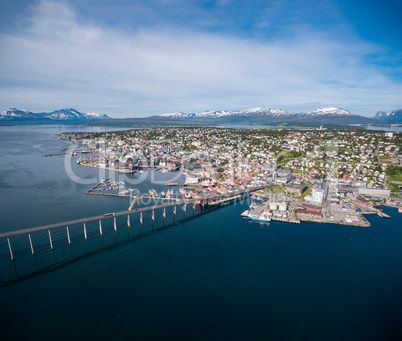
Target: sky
(136, 58)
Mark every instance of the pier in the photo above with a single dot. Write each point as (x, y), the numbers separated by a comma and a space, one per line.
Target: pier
(94, 190)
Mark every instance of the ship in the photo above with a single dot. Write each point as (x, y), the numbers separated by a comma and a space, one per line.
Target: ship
(153, 193)
(264, 217)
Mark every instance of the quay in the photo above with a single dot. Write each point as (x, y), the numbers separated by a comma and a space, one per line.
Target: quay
(289, 213)
(118, 170)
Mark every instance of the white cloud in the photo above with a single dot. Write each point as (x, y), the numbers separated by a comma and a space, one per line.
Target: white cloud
(57, 61)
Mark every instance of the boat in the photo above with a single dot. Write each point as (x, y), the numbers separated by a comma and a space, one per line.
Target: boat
(245, 213)
(400, 209)
(163, 194)
(264, 217)
(153, 193)
(185, 194)
(169, 194)
(132, 171)
(171, 184)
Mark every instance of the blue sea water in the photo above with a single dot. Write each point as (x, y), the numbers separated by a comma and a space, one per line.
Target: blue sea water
(202, 275)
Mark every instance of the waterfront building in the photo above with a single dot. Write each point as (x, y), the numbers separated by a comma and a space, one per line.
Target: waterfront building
(374, 192)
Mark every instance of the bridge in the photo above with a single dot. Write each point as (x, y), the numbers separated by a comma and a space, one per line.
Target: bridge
(206, 200)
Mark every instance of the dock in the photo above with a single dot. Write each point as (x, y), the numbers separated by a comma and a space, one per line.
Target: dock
(93, 189)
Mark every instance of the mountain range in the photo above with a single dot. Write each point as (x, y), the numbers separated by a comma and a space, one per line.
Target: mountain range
(57, 116)
(329, 116)
(389, 117)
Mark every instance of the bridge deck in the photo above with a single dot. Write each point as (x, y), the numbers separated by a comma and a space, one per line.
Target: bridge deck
(222, 198)
(83, 220)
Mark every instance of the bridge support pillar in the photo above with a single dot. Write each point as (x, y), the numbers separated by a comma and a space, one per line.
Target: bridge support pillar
(50, 240)
(153, 215)
(100, 227)
(11, 251)
(30, 242)
(164, 212)
(85, 232)
(184, 207)
(115, 224)
(141, 221)
(68, 236)
(128, 220)
(174, 210)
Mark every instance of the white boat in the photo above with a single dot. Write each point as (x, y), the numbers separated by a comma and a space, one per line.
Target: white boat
(245, 213)
(152, 193)
(264, 217)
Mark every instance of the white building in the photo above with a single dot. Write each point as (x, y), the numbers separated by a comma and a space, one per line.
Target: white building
(319, 194)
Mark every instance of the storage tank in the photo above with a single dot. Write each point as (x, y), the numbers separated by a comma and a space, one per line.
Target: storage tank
(283, 206)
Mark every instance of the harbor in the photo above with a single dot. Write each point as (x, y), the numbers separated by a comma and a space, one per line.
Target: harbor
(288, 210)
(146, 274)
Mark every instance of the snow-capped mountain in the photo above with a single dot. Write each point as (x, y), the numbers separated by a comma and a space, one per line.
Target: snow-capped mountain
(393, 116)
(328, 115)
(64, 115)
(222, 113)
(330, 111)
(16, 114)
(210, 114)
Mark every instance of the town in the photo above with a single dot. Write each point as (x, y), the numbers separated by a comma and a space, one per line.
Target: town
(318, 175)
